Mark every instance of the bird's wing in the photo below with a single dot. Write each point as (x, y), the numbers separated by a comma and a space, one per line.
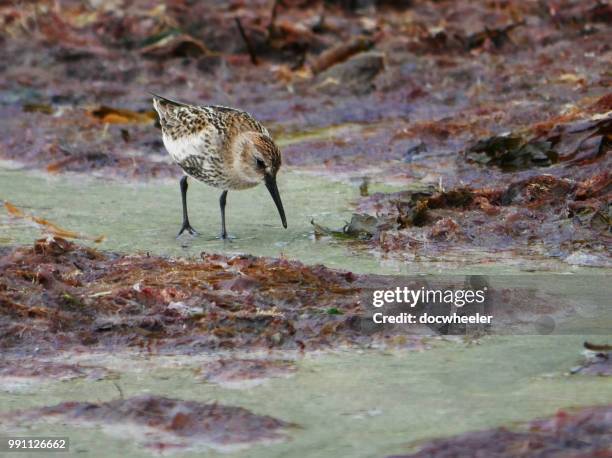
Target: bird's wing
(242, 120)
(192, 131)
(180, 120)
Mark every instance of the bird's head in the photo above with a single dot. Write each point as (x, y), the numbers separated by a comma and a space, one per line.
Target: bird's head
(259, 159)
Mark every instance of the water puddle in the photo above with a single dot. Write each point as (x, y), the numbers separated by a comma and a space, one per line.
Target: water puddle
(146, 217)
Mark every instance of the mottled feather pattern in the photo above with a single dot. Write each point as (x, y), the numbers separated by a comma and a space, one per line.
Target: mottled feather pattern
(178, 121)
(220, 146)
(199, 139)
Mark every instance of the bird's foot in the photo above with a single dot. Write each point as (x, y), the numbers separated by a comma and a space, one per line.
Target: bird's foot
(225, 236)
(187, 227)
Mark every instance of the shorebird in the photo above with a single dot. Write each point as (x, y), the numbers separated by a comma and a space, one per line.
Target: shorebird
(220, 146)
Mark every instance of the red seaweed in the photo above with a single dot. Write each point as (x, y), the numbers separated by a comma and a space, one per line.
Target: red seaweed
(579, 433)
(167, 423)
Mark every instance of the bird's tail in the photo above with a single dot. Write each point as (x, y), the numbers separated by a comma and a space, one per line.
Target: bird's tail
(164, 100)
(165, 106)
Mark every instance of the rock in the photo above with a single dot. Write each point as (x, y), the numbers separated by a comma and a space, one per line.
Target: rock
(511, 152)
(355, 75)
(361, 226)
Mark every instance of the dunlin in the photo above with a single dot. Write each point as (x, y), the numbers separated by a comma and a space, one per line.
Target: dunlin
(220, 146)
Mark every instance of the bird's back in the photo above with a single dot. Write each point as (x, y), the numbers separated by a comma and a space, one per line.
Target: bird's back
(179, 120)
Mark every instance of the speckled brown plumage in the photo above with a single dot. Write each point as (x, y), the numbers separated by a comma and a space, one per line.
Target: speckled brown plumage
(180, 120)
(220, 146)
(203, 141)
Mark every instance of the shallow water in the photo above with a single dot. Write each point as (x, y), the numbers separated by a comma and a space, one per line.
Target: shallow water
(353, 403)
(145, 217)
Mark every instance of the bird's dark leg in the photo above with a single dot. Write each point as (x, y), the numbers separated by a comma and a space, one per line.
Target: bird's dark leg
(222, 201)
(186, 226)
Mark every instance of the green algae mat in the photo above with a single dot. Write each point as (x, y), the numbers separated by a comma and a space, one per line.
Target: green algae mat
(342, 403)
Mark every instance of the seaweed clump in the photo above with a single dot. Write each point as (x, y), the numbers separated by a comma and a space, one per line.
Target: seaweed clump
(58, 294)
(173, 423)
(584, 432)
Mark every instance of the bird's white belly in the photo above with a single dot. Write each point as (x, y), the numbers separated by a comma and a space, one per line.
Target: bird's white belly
(205, 143)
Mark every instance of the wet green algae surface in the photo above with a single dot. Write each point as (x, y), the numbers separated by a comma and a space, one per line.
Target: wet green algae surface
(346, 403)
(145, 217)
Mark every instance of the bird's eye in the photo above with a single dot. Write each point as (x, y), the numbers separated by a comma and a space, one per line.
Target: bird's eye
(261, 164)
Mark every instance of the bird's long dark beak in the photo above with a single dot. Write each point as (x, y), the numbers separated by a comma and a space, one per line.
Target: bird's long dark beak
(271, 185)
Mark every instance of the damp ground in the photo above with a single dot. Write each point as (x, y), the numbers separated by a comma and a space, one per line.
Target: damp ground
(345, 403)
